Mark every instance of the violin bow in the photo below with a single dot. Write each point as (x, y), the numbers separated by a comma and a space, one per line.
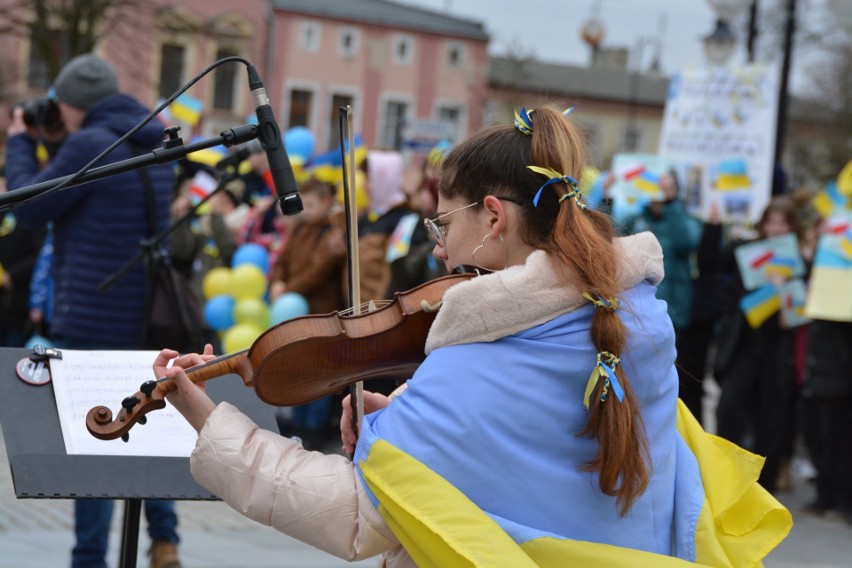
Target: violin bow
(352, 257)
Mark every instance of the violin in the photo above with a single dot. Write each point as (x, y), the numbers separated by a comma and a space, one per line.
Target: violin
(306, 358)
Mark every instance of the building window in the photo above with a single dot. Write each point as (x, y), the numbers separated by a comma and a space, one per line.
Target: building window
(632, 139)
(172, 62)
(455, 54)
(309, 36)
(337, 101)
(451, 117)
(225, 81)
(300, 108)
(403, 49)
(349, 42)
(395, 113)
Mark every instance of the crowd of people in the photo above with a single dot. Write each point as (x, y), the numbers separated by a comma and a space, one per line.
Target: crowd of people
(650, 330)
(57, 253)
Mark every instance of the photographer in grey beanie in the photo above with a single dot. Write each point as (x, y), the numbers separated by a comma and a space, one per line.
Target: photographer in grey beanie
(85, 80)
(97, 227)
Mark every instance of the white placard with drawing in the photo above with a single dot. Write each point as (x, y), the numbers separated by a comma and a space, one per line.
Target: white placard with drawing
(84, 379)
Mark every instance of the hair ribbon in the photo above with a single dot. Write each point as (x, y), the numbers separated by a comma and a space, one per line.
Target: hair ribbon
(523, 121)
(599, 302)
(556, 177)
(604, 369)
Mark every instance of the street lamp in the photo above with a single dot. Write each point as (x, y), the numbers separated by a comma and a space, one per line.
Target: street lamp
(719, 45)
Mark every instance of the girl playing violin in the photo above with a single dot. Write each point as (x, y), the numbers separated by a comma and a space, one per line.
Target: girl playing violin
(543, 427)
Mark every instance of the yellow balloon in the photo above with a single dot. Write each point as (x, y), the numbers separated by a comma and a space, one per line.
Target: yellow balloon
(240, 336)
(216, 282)
(253, 312)
(247, 281)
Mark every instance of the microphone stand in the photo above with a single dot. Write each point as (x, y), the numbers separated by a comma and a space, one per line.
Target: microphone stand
(173, 149)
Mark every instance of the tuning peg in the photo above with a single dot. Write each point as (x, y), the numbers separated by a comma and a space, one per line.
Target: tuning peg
(142, 420)
(125, 437)
(129, 402)
(148, 387)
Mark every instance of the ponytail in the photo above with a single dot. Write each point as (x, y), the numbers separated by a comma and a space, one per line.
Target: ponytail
(582, 241)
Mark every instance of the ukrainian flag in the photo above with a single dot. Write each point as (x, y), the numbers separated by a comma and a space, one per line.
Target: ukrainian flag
(208, 156)
(649, 183)
(760, 305)
(733, 175)
(830, 286)
(831, 200)
(783, 267)
(186, 108)
(327, 167)
(739, 522)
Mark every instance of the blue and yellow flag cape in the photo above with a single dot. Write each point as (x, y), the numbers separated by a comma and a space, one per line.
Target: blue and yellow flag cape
(738, 525)
(498, 481)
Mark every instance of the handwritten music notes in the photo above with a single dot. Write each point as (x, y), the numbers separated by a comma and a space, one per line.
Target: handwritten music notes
(84, 379)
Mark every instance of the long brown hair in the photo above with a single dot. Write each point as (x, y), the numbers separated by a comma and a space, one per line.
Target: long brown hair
(581, 244)
(784, 206)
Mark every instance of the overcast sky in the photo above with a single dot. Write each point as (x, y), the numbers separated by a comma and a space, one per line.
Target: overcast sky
(551, 29)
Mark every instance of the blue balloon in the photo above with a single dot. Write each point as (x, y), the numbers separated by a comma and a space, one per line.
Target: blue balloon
(251, 253)
(289, 305)
(219, 312)
(299, 141)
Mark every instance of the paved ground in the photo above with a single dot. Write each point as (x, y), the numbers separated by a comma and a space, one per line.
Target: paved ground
(37, 533)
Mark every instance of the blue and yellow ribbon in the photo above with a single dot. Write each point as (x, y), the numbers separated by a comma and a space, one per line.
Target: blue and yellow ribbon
(604, 369)
(523, 120)
(555, 177)
(598, 302)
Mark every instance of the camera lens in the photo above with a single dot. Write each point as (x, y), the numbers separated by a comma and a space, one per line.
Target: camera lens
(41, 113)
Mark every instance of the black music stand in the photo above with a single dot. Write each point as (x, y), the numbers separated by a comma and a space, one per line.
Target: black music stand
(42, 470)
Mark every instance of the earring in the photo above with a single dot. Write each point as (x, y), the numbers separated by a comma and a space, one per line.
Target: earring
(482, 244)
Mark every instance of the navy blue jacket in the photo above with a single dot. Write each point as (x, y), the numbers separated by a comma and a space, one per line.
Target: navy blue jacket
(98, 226)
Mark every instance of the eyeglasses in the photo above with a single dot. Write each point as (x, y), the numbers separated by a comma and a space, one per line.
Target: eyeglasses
(435, 227)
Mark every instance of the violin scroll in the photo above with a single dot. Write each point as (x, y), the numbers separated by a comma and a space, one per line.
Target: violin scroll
(99, 420)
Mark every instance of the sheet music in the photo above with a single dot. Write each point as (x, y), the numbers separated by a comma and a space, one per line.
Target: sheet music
(84, 379)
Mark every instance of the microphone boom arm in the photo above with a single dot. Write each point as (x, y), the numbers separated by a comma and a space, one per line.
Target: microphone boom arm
(173, 149)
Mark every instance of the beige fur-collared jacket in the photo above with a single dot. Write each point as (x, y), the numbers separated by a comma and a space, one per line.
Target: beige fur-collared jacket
(319, 499)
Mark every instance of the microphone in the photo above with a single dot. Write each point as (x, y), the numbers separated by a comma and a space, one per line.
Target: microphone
(233, 160)
(270, 139)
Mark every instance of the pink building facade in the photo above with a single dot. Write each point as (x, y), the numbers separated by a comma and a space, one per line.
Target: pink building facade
(409, 74)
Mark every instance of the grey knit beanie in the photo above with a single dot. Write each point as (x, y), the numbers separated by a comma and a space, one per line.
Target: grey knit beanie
(85, 80)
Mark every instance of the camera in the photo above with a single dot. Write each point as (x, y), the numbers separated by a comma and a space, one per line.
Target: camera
(41, 113)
